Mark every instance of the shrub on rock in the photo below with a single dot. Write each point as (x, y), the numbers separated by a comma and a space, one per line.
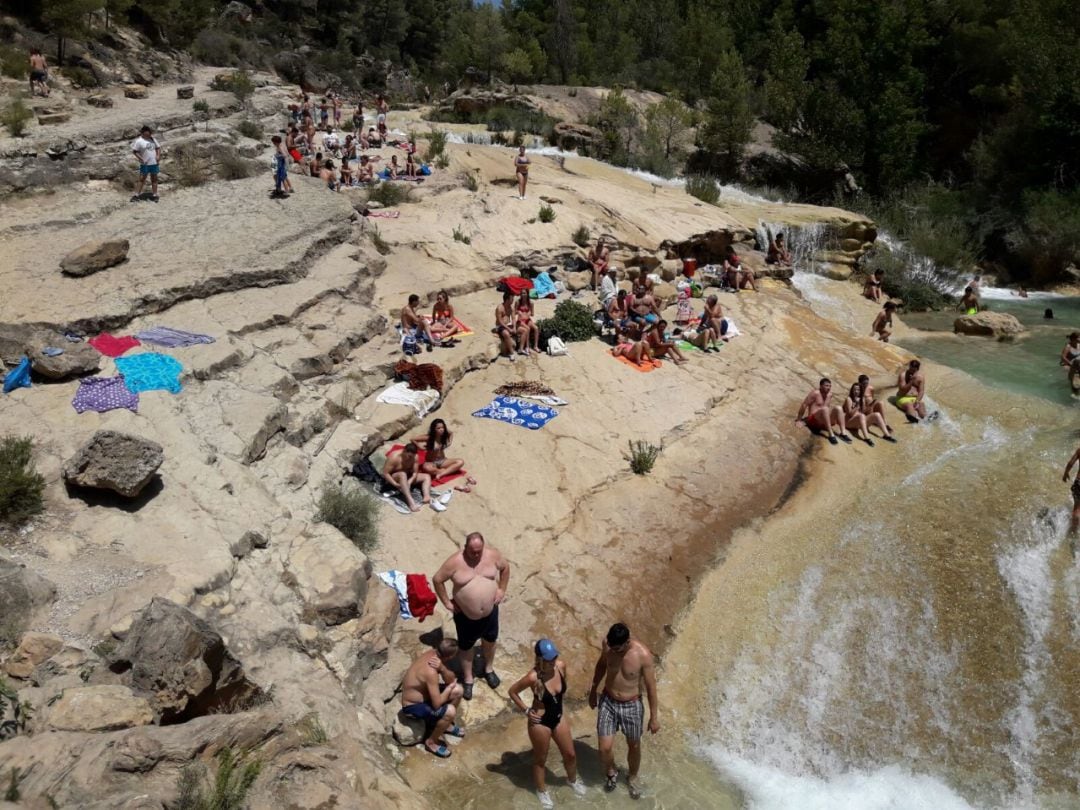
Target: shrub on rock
(572, 321)
(21, 486)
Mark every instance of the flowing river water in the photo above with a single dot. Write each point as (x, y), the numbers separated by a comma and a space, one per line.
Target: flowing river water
(904, 633)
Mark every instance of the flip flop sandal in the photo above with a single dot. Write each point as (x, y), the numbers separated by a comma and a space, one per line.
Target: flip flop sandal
(463, 489)
(456, 731)
(833, 440)
(470, 479)
(442, 752)
(635, 791)
(869, 442)
(889, 439)
(845, 438)
(611, 782)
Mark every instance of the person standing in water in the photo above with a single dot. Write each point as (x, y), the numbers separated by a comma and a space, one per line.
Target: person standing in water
(911, 388)
(1074, 523)
(480, 575)
(1070, 358)
(521, 166)
(547, 681)
(969, 304)
(624, 665)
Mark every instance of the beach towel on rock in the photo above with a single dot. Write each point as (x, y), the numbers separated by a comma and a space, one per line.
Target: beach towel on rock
(397, 581)
(172, 338)
(111, 346)
(421, 457)
(422, 599)
(514, 284)
(150, 371)
(400, 394)
(646, 363)
(104, 394)
(463, 330)
(517, 412)
(18, 377)
(382, 214)
(543, 287)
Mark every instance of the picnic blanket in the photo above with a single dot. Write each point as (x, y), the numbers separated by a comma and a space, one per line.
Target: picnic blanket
(112, 346)
(104, 394)
(421, 456)
(400, 394)
(687, 346)
(172, 338)
(463, 330)
(150, 371)
(647, 364)
(516, 411)
(18, 377)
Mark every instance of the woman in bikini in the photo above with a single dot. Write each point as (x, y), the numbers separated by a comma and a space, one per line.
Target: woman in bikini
(1070, 358)
(521, 166)
(660, 346)
(443, 323)
(871, 407)
(528, 331)
(626, 346)
(411, 169)
(436, 464)
(393, 169)
(547, 722)
(858, 421)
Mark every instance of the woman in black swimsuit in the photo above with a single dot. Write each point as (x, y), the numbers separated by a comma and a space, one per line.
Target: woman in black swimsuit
(547, 680)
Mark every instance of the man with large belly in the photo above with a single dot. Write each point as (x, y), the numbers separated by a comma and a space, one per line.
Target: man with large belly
(480, 575)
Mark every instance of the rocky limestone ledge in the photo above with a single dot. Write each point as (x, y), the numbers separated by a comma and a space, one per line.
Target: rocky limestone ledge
(99, 708)
(989, 324)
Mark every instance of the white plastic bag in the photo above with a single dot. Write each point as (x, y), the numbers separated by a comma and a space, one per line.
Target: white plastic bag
(556, 347)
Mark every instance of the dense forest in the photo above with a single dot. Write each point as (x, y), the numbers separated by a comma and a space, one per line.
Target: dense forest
(959, 118)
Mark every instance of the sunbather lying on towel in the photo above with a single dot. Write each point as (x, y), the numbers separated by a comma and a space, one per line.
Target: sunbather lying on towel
(402, 472)
(626, 346)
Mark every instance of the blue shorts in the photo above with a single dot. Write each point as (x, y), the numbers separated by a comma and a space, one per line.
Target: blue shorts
(425, 712)
(280, 172)
(145, 170)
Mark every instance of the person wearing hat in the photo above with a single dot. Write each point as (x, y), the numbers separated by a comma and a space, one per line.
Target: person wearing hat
(547, 680)
(147, 149)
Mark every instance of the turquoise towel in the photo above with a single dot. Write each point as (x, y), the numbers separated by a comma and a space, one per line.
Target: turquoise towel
(150, 371)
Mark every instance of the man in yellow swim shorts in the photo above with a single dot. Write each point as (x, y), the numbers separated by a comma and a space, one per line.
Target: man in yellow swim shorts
(911, 388)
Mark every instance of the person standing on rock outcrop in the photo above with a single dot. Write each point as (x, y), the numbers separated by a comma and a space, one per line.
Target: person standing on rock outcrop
(480, 575)
(625, 664)
(147, 149)
(39, 73)
(430, 692)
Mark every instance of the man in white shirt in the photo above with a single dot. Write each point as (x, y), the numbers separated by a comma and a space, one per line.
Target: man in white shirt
(608, 287)
(148, 151)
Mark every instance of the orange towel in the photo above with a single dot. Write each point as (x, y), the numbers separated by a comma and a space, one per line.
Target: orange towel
(646, 363)
(464, 330)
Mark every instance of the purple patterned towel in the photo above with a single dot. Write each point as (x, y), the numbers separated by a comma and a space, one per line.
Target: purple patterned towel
(172, 338)
(104, 394)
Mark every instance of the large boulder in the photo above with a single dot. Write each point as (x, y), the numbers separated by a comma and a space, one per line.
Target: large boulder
(181, 663)
(22, 595)
(573, 136)
(99, 100)
(115, 461)
(185, 91)
(33, 649)
(94, 256)
(136, 91)
(989, 324)
(331, 573)
(77, 359)
(99, 708)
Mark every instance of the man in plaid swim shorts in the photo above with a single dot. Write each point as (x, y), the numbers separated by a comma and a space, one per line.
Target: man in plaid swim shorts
(624, 663)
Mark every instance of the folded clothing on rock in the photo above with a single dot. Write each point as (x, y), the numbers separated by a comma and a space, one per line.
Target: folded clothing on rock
(150, 371)
(112, 346)
(104, 394)
(517, 412)
(420, 376)
(172, 338)
(401, 394)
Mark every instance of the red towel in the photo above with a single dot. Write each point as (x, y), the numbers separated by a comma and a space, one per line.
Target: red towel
(113, 346)
(514, 284)
(422, 599)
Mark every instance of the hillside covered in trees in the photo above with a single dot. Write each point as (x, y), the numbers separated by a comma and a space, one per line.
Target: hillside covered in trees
(960, 119)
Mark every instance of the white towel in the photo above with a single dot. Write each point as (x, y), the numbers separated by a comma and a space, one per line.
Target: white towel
(547, 399)
(396, 580)
(732, 329)
(400, 394)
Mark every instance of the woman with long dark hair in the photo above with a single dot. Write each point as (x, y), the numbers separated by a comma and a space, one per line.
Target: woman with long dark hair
(436, 464)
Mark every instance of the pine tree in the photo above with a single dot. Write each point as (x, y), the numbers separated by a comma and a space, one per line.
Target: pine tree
(728, 120)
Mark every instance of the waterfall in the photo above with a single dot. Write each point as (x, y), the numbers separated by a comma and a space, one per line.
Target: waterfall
(919, 267)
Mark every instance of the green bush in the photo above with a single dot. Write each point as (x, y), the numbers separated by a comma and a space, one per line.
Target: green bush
(581, 236)
(250, 129)
(16, 116)
(233, 166)
(470, 181)
(572, 321)
(189, 169)
(353, 512)
(917, 295)
(643, 456)
(200, 106)
(704, 187)
(80, 77)
(461, 236)
(21, 486)
(229, 789)
(547, 213)
(389, 194)
(436, 144)
(13, 62)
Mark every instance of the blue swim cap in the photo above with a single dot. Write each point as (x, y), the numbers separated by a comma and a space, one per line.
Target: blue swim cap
(546, 650)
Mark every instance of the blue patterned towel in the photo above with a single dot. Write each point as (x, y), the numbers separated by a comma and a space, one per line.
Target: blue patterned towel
(150, 371)
(516, 411)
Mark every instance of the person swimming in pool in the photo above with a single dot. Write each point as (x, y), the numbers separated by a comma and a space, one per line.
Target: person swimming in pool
(547, 721)
(818, 414)
(911, 388)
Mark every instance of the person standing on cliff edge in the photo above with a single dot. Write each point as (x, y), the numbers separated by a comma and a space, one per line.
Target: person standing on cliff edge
(480, 575)
(623, 665)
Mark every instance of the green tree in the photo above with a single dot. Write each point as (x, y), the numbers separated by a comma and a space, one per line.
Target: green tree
(785, 78)
(67, 20)
(115, 9)
(668, 123)
(728, 119)
(564, 39)
(618, 121)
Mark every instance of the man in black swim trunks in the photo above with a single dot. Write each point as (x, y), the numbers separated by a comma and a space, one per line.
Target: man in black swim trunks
(480, 575)
(1074, 524)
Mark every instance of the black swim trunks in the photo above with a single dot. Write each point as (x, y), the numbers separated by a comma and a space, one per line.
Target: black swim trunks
(469, 631)
(1075, 492)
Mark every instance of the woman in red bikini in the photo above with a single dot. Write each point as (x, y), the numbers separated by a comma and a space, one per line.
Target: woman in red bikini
(528, 331)
(443, 324)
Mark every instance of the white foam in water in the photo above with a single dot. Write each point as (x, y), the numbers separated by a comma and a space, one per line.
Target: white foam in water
(889, 788)
(1006, 294)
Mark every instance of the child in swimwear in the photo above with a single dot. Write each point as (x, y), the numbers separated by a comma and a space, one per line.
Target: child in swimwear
(527, 328)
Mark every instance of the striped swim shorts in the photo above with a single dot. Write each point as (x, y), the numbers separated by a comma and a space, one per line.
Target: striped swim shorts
(626, 716)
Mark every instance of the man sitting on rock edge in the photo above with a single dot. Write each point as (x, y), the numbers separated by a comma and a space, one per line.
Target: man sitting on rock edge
(430, 692)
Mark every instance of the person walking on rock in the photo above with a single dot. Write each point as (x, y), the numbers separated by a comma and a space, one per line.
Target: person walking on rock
(39, 73)
(624, 665)
(480, 575)
(521, 167)
(147, 149)
(1074, 523)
